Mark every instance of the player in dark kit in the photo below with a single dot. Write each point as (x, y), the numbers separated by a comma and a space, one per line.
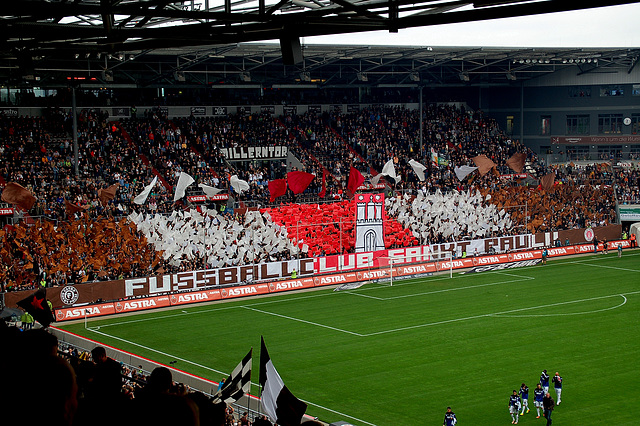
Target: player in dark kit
(538, 396)
(544, 381)
(514, 407)
(449, 418)
(524, 394)
(557, 384)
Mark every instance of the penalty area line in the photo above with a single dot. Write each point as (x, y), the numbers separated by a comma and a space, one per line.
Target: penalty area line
(496, 314)
(303, 321)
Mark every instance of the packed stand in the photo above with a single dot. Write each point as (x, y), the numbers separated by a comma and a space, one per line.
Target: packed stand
(78, 387)
(37, 153)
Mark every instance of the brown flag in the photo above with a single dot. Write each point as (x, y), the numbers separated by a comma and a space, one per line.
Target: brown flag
(547, 181)
(108, 194)
(484, 164)
(18, 195)
(516, 162)
(71, 208)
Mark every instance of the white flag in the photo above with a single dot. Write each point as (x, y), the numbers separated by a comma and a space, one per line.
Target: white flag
(142, 197)
(238, 184)
(183, 181)
(418, 169)
(390, 170)
(209, 190)
(387, 170)
(462, 171)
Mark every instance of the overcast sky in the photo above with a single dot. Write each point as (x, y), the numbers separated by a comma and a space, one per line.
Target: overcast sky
(615, 26)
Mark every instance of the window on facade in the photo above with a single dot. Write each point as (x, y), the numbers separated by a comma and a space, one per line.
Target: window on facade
(635, 124)
(578, 124)
(580, 92)
(545, 125)
(510, 124)
(578, 152)
(609, 152)
(611, 91)
(610, 123)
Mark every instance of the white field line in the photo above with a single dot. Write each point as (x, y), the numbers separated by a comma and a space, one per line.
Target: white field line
(216, 371)
(94, 330)
(364, 295)
(624, 301)
(430, 324)
(354, 293)
(303, 321)
(604, 266)
(445, 290)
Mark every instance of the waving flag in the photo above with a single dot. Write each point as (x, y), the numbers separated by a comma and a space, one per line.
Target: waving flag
(142, 197)
(210, 191)
(299, 181)
(181, 187)
(323, 191)
(462, 171)
(418, 169)
(434, 158)
(547, 181)
(18, 195)
(238, 184)
(484, 164)
(108, 194)
(355, 180)
(37, 306)
(277, 188)
(516, 162)
(278, 402)
(237, 384)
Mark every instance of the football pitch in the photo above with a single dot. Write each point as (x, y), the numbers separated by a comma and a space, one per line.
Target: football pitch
(399, 355)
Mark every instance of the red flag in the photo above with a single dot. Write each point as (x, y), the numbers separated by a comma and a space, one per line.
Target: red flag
(484, 164)
(323, 192)
(108, 194)
(546, 182)
(516, 162)
(299, 181)
(37, 306)
(18, 195)
(355, 180)
(277, 188)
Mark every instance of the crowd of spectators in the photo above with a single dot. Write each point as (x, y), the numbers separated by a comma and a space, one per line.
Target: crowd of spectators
(75, 386)
(37, 152)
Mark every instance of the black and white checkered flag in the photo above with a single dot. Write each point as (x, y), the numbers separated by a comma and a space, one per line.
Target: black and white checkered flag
(237, 384)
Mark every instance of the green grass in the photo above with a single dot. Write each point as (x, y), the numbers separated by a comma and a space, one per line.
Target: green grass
(400, 355)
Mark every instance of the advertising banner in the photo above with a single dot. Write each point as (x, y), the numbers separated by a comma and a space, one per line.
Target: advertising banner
(630, 212)
(79, 312)
(194, 296)
(142, 304)
(203, 198)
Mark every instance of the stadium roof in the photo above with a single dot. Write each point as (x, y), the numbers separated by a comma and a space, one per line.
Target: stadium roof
(194, 43)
